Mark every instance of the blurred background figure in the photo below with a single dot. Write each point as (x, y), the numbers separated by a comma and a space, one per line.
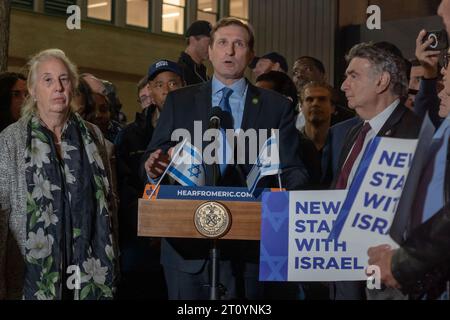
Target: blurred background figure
(114, 103)
(99, 113)
(307, 69)
(95, 83)
(108, 90)
(83, 98)
(140, 257)
(13, 92)
(415, 77)
(425, 80)
(317, 107)
(272, 61)
(280, 82)
(191, 60)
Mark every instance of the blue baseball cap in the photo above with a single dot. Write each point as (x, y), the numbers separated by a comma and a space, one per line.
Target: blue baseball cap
(161, 66)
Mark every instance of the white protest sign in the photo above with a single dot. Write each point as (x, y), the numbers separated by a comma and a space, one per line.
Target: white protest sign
(296, 243)
(371, 203)
(312, 256)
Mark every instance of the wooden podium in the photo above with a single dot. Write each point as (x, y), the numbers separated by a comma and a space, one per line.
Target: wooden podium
(187, 219)
(175, 219)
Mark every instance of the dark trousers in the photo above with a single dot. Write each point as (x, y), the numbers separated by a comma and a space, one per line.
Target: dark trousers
(238, 283)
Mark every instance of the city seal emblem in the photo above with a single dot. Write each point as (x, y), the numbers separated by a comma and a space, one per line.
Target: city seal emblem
(212, 220)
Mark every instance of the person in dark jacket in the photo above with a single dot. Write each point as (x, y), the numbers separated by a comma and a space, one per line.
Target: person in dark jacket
(427, 99)
(425, 253)
(191, 60)
(140, 256)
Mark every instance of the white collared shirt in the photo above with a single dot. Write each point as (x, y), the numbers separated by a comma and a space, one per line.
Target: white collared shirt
(376, 124)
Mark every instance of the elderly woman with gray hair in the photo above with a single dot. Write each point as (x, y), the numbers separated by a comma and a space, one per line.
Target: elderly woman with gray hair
(57, 210)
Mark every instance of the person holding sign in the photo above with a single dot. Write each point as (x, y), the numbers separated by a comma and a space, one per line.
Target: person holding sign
(425, 253)
(375, 83)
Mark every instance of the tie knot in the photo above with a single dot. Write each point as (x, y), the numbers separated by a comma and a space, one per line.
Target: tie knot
(227, 92)
(366, 128)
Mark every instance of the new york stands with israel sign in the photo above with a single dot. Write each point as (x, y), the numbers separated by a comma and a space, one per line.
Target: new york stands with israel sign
(325, 235)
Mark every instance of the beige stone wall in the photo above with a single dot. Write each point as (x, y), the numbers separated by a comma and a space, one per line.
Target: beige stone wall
(120, 55)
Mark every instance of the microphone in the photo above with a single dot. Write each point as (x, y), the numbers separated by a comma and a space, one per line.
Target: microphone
(215, 117)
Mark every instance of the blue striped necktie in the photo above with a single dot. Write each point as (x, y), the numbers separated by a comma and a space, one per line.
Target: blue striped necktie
(225, 106)
(225, 101)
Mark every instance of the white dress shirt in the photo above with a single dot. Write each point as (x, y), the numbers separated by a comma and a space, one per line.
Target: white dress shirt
(376, 124)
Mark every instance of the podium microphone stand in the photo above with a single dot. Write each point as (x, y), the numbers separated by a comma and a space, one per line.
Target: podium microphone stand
(216, 290)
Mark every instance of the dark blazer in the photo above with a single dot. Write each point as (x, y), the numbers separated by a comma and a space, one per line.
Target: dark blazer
(402, 123)
(263, 110)
(333, 148)
(421, 265)
(425, 253)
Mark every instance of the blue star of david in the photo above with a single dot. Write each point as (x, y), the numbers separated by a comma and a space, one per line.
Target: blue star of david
(195, 170)
(277, 220)
(264, 164)
(274, 264)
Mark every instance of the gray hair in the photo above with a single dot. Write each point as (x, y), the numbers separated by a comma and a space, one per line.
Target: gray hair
(30, 105)
(383, 61)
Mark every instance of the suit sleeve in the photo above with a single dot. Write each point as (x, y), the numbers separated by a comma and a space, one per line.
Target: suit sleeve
(427, 100)
(426, 248)
(294, 174)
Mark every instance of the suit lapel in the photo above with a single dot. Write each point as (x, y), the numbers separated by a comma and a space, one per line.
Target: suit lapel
(386, 131)
(203, 101)
(251, 111)
(252, 107)
(392, 121)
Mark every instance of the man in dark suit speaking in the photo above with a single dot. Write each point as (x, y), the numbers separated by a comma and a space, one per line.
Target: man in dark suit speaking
(186, 261)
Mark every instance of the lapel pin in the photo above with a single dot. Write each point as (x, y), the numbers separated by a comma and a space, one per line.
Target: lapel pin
(255, 101)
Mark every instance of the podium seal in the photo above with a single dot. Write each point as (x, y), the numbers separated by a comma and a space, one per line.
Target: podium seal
(212, 220)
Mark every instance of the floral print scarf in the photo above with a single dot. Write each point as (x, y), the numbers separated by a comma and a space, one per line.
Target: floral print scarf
(69, 244)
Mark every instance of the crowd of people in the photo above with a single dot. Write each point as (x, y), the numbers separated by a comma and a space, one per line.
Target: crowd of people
(72, 169)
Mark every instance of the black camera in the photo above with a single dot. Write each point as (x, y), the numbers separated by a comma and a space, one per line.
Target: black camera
(440, 40)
